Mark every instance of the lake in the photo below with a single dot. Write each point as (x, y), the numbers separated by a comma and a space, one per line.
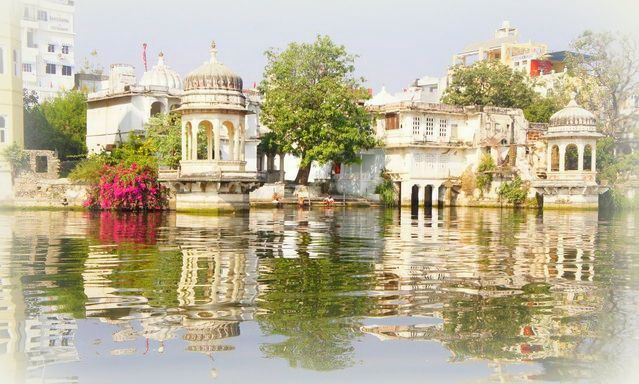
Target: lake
(340, 295)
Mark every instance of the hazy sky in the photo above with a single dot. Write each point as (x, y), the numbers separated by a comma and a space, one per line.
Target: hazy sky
(396, 41)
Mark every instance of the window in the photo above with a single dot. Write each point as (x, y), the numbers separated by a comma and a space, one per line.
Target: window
(1, 60)
(391, 121)
(42, 164)
(2, 125)
(16, 67)
(430, 126)
(454, 131)
(66, 70)
(27, 68)
(30, 42)
(42, 15)
(51, 48)
(443, 128)
(50, 69)
(417, 131)
(65, 49)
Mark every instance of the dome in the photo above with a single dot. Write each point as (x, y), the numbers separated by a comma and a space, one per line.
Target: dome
(161, 75)
(572, 115)
(213, 75)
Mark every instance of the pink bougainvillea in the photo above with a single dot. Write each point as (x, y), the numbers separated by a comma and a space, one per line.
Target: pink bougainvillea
(133, 188)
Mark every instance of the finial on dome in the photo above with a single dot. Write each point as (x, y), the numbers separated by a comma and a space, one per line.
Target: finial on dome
(573, 101)
(161, 58)
(213, 52)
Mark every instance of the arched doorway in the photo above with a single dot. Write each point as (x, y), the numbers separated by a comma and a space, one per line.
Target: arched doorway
(441, 196)
(571, 159)
(229, 152)
(554, 158)
(414, 196)
(428, 196)
(587, 157)
(206, 127)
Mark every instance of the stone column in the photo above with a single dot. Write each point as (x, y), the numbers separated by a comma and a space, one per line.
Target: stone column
(184, 139)
(562, 158)
(580, 162)
(593, 157)
(194, 130)
(242, 154)
(282, 167)
(236, 142)
(548, 158)
(216, 139)
(209, 143)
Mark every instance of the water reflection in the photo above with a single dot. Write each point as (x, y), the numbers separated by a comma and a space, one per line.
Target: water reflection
(557, 291)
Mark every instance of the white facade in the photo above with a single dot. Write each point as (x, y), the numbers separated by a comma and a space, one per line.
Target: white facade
(429, 146)
(126, 106)
(48, 46)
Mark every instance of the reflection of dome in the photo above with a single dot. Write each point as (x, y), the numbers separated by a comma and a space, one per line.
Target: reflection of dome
(161, 75)
(213, 75)
(572, 115)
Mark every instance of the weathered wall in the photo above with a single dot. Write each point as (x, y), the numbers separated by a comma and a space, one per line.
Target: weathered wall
(33, 191)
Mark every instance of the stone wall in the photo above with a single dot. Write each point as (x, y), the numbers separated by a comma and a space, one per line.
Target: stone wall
(33, 191)
(44, 163)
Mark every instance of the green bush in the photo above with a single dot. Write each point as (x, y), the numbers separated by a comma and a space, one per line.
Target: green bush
(89, 170)
(386, 190)
(484, 175)
(16, 157)
(514, 192)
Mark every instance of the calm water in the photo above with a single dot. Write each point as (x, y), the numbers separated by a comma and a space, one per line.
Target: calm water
(337, 295)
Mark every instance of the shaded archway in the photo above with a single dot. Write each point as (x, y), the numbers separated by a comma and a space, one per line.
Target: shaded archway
(441, 195)
(230, 135)
(156, 107)
(571, 159)
(428, 196)
(2, 127)
(414, 196)
(554, 158)
(587, 157)
(208, 150)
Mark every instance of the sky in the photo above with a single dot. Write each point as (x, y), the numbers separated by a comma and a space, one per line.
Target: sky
(396, 41)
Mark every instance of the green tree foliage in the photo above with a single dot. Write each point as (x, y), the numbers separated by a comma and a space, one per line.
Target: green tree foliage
(484, 172)
(610, 62)
(57, 124)
(386, 190)
(489, 83)
(541, 108)
(514, 192)
(312, 104)
(160, 146)
(17, 158)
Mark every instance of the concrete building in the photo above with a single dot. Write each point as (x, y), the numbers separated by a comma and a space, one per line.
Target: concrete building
(427, 147)
(125, 106)
(48, 46)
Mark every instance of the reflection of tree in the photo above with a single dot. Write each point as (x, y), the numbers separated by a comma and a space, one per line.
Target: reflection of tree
(488, 327)
(308, 301)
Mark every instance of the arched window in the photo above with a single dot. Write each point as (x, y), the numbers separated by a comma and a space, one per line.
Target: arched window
(156, 108)
(571, 160)
(554, 159)
(587, 157)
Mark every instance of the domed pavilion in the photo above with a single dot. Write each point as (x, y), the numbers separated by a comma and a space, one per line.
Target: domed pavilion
(213, 104)
(213, 173)
(571, 150)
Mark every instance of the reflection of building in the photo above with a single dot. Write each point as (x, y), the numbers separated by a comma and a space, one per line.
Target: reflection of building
(48, 46)
(471, 268)
(125, 106)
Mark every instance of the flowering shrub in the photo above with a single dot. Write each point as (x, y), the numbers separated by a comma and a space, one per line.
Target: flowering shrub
(132, 188)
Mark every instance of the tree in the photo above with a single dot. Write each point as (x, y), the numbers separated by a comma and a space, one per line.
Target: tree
(491, 83)
(164, 138)
(67, 114)
(312, 104)
(57, 124)
(612, 63)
